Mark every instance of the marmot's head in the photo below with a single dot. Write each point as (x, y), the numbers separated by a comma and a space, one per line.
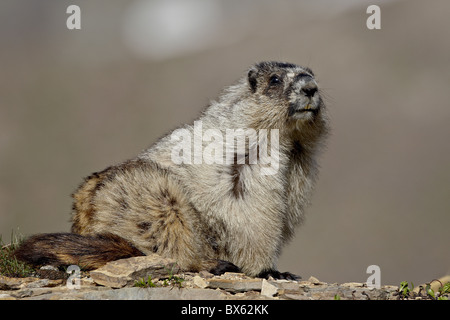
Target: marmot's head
(285, 93)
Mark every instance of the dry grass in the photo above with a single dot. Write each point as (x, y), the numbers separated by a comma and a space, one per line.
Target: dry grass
(9, 265)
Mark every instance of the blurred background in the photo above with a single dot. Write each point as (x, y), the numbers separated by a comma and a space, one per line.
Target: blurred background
(76, 101)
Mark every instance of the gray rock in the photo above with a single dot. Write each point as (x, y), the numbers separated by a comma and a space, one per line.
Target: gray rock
(155, 294)
(286, 285)
(200, 282)
(202, 286)
(268, 289)
(48, 267)
(5, 296)
(125, 272)
(7, 283)
(235, 285)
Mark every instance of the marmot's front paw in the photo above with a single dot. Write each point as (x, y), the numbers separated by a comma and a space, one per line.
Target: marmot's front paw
(223, 266)
(279, 275)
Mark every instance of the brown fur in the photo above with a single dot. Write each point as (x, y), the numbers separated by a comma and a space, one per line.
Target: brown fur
(159, 218)
(82, 201)
(89, 252)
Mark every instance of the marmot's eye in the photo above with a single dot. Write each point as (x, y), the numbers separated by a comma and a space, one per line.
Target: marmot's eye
(274, 80)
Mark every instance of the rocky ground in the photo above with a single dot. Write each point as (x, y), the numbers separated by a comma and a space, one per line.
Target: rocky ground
(155, 278)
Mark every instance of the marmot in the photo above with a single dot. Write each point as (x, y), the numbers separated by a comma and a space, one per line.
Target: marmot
(205, 214)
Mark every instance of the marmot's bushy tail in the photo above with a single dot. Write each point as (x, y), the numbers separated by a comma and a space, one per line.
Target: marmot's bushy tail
(88, 252)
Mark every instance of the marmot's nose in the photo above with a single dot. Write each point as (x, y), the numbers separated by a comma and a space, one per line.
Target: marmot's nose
(309, 90)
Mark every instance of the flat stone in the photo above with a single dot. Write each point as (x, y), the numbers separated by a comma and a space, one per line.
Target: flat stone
(268, 289)
(286, 285)
(200, 282)
(295, 296)
(155, 294)
(234, 276)
(5, 296)
(7, 283)
(205, 274)
(48, 267)
(313, 280)
(63, 293)
(353, 284)
(125, 272)
(348, 291)
(43, 283)
(235, 285)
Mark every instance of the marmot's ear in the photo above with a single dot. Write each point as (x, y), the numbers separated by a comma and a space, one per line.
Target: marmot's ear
(252, 79)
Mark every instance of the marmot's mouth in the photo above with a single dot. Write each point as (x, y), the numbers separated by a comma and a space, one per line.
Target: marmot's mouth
(308, 108)
(294, 109)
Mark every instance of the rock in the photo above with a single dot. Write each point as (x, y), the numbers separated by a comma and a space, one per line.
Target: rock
(287, 285)
(59, 293)
(295, 296)
(200, 282)
(48, 267)
(314, 280)
(51, 272)
(125, 272)
(268, 289)
(87, 281)
(235, 285)
(155, 294)
(234, 276)
(205, 274)
(36, 284)
(7, 283)
(4, 296)
(235, 282)
(204, 286)
(353, 284)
